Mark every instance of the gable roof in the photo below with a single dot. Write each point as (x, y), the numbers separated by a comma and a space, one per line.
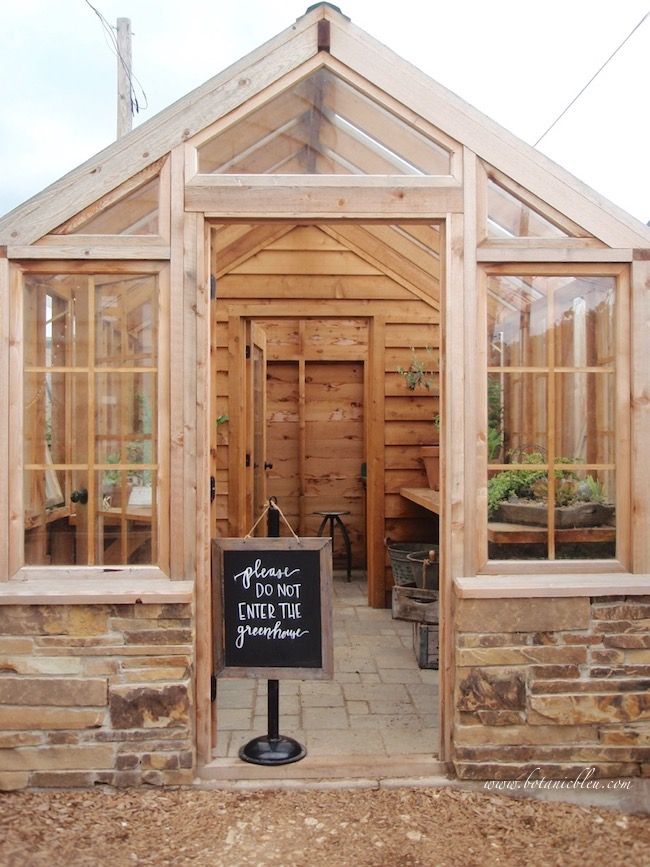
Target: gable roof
(303, 46)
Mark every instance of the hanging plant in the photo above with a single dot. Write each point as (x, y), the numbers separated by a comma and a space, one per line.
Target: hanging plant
(419, 373)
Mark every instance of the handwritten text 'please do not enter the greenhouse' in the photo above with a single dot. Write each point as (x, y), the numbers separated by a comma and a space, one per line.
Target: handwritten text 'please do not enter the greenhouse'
(276, 599)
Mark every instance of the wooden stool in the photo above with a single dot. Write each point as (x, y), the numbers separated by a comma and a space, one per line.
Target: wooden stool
(334, 519)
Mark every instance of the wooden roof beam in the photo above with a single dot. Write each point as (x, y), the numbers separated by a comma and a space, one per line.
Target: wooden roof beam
(346, 196)
(260, 236)
(425, 285)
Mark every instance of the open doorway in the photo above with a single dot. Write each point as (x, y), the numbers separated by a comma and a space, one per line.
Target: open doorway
(341, 309)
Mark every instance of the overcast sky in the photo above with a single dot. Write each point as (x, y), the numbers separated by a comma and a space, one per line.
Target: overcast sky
(518, 61)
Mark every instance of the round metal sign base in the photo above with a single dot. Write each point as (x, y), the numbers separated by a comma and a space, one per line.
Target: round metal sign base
(272, 751)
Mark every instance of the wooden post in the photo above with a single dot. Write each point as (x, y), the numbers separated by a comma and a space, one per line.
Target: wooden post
(124, 109)
(5, 292)
(375, 400)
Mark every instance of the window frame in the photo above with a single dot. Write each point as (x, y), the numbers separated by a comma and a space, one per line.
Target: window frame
(622, 457)
(17, 569)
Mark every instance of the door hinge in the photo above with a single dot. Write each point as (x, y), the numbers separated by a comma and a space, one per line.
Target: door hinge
(248, 351)
(213, 687)
(213, 488)
(248, 459)
(213, 287)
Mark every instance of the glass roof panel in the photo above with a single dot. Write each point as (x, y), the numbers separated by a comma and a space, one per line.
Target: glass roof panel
(323, 125)
(134, 214)
(510, 217)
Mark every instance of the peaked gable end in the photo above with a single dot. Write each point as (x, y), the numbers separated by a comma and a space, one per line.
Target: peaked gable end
(326, 87)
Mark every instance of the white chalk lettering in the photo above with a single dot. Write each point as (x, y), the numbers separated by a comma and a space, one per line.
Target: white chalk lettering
(256, 611)
(258, 571)
(274, 632)
(292, 590)
(290, 610)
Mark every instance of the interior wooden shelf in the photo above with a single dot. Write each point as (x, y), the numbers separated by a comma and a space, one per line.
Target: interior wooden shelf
(425, 497)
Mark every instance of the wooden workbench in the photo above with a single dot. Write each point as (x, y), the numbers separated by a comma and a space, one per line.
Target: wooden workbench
(425, 497)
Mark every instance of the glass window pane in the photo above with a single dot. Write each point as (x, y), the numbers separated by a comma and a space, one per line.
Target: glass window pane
(50, 535)
(512, 533)
(126, 322)
(125, 409)
(55, 418)
(517, 415)
(90, 418)
(517, 317)
(56, 320)
(585, 428)
(585, 528)
(551, 426)
(584, 322)
(124, 514)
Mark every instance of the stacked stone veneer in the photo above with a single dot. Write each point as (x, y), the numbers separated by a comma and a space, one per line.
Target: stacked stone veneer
(555, 684)
(95, 694)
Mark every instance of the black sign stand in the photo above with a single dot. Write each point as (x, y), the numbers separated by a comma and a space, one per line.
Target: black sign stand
(272, 748)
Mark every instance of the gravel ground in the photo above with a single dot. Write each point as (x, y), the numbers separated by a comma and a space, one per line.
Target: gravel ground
(351, 828)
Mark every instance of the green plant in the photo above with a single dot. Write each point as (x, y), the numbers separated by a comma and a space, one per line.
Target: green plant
(590, 490)
(512, 483)
(494, 443)
(141, 450)
(495, 418)
(111, 477)
(533, 484)
(418, 374)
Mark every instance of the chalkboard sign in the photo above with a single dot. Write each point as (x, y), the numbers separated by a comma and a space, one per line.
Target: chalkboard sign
(273, 607)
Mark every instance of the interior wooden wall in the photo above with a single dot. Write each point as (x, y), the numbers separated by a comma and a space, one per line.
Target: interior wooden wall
(319, 288)
(315, 438)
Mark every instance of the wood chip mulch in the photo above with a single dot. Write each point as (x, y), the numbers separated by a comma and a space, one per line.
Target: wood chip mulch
(352, 828)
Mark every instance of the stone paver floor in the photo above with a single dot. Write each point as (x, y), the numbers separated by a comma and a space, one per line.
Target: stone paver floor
(379, 703)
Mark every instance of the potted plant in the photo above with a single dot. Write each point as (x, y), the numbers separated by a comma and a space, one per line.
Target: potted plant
(420, 375)
(520, 496)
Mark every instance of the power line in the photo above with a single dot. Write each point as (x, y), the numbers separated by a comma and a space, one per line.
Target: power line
(112, 41)
(594, 76)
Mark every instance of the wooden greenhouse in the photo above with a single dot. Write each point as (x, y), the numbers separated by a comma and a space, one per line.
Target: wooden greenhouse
(215, 310)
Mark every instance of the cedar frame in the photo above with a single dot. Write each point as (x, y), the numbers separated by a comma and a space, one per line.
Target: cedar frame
(623, 561)
(13, 548)
(293, 53)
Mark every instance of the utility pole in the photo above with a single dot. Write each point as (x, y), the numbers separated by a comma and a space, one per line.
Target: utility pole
(124, 107)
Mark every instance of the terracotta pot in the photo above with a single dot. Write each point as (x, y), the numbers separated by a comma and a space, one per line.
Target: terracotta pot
(431, 458)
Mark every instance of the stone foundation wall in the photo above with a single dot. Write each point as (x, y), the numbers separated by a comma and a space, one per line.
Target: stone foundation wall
(93, 694)
(555, 684)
